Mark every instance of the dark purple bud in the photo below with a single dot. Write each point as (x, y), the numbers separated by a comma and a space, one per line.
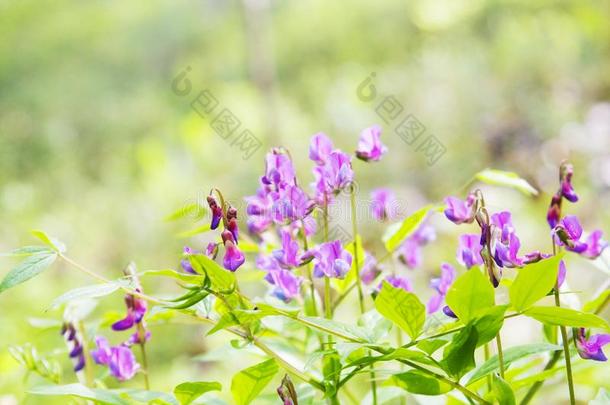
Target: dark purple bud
(231, 213)
(232, 227)
(554, 213)
(80, 363)
(567, 191)
(447, 311)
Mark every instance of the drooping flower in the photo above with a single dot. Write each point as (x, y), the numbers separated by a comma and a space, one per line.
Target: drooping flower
(287, 284)
(441, 285)
(459, 211)
(216, 212)
(370, 147)
(469, 251)
(75, 345)
(568, 233)
(410, 252)
(397, 282)
(287, 392)
(320, 148)
(136, 307)
(591, 348)
(553, 215)
(566, 170)
(383, 204)
(233, 256)
(331, 260)
(232, 223)
(119, 359)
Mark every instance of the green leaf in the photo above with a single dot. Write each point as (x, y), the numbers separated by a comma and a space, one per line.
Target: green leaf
(469, 294)
(489, 322)
(30, 267)
(502, 391)
(350, 277)
(221, 279)
(458, 357)
(186, 277)
(90, 291)
(27, 251)
(566, 317)
(248, 383)
(53, 243)
(418, 382)
(187, 392)
(195, 209)
(147, 397)
(509, 355)
(594, 305)
(395, 235)
(402, 308)
(534, 282)
(193, 232)
(345, 331)
(80, 391)
(506, 179)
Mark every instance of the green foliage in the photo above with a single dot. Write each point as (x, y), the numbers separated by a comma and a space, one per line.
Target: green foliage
(248, 383)
(187, 392)
(458, 356)
(506, 179)
(100, 396)
(534, 282)
(418, 382)
(502, 391)
(488, 323)
(396, 234)
(566, 317)
(402, 308)
(32, 266)
(221, 280)
(90, 291)
(28, 356)
(470, 294)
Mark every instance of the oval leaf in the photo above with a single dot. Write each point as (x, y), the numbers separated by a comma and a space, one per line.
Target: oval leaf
(402, 308)
(397, 234)
(534, 282)
(90, 291)
(506, 179)
(566, 317)
(248, 383)
(418, 382)
(470, 293)
(31, 267)
(187, 392)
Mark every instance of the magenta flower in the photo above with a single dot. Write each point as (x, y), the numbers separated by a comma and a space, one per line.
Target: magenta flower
(410, 252)
(591, 348)
(286, 284)
(320, 148)
(216, 212)
(75, 345)
(119, 359)
(469, 251)
(369, 270)
(397, 282)
(259, 211)
(568, 233)
(441, 285)
(383, 204)
(288, 255)
(370, 147)
(290, 204)
(567, 191)
(279, 171)
(331, 260)
(459, 211)
(504, 241)
(233, 256)
(554, 213)
(334, 175)
(136, 308)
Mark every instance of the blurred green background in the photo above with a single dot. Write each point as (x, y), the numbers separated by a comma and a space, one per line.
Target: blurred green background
(96, 148)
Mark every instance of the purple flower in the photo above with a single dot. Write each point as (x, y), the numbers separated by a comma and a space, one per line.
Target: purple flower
(397, 282)
(286, 284)
(136, 308)
(320, 148)
(410, 252)
(331, 260)
(441, 285)
(568, 233)
(383, 204)
(561, 273)
(591, 348)
(459, 211)
(291, 204)
(369, 270)
(504, 241)
(370, 147)
(75, 346)
(595, 245)
(469, 251)
(211, 250)
(185, 263)
(567, 191)
(279, 171)
(119, 359)
(334, 175)
(554, 213)
(233, 256)
(534, 257)
(216, 212)
(259, 211)
(288, 255)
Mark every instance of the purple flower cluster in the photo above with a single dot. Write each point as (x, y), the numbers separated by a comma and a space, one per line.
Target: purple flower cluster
(331, 260)
(333, 171)
(75, 345)
(120, 360)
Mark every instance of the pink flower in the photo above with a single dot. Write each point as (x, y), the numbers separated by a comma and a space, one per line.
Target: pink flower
(331, 260)
(469, 251)
(591, 348)
(320, 148)
(441, 285)
(233, 256)
(119, 359)
(383, 204)
(459, 211)
(370, 147)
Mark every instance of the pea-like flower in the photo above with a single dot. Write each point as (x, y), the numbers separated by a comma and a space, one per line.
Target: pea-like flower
(279, 170)
(566, 171)
(331, 260)
(286, 283)
(383, 204)
(333, 176)
(291, 204)
(469, 251)
(136, 308)
(288, 255)
(397, 282)
(216, 212)
(591, 348)
(75, 345)
(259, 211)
(370, 147)
(320, 148)
(569, 233)
(504, 241)
(233, 256)
(441, 285)
(460, 211)
(410, 252)
(369, 270)
(119, 359)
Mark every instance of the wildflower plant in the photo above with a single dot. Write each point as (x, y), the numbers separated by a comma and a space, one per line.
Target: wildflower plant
(397, 346)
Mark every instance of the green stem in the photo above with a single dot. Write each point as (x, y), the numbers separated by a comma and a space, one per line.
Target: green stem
(142, 338)
(500, 354)
(88, 358)
(486, 353)
(312, 288)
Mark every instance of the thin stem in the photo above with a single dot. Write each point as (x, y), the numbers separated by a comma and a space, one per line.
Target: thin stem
(312, 288)
(88, 364)
(142, 339)
(486, 353)
(500, 354)
(328, 312)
